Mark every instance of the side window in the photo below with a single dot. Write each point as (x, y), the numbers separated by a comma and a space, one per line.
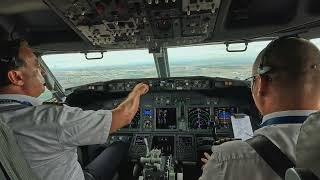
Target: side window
(316, 42)
(46, 95)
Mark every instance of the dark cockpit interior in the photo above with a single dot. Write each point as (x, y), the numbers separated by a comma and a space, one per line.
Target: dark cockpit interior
(181, 116)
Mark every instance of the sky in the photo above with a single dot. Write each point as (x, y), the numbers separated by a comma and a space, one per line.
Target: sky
(176, 55)
(207, 60)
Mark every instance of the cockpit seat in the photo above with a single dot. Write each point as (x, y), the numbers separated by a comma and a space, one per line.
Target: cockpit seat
(111, 163)
(307, 151)
(12, 163)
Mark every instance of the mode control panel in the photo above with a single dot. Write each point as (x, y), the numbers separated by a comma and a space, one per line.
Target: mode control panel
(172, 84)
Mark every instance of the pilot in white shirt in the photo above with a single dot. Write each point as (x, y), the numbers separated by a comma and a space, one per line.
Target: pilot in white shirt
(238, 160)
(286, 90)
(48, 135)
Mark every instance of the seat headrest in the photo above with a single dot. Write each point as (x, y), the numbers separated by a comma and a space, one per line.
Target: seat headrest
(308, 144)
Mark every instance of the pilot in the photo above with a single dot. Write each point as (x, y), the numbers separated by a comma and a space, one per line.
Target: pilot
(286, 90)
(49, 135)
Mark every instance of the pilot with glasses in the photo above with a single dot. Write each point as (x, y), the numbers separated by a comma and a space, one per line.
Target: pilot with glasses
(285, 86)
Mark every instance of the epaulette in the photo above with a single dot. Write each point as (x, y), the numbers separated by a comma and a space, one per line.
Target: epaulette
(54, 103)
(221, 141)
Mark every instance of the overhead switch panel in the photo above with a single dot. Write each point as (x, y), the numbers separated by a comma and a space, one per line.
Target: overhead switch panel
(121, 24)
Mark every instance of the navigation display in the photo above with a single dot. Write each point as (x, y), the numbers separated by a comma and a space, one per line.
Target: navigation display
(166, 118)
(222, 116)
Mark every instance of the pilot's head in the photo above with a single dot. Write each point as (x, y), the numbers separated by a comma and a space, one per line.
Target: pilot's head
(20, 71)
(286, 76)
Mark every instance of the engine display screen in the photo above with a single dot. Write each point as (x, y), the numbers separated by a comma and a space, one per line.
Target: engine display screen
(166, 118)
(222, 116)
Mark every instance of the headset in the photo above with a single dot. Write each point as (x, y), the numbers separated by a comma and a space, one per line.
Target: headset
(9, 54)
(262, 68)
(9, 59)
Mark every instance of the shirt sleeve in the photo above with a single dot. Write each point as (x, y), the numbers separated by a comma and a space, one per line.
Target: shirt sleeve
(78, 127)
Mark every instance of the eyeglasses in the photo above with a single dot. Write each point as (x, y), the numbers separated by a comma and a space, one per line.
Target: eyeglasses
(251, 80)
(261, 71)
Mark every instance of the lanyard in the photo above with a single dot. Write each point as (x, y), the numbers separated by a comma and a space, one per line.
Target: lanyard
(284, 120)
(6, 101)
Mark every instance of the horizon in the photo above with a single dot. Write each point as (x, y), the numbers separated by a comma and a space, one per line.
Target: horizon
(208, 60)
(176, 56)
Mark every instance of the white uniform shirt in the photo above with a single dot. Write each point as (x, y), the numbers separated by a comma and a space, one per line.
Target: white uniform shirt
(238, 160)
(48, 135)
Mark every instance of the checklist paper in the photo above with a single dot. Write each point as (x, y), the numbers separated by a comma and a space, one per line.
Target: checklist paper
(241, 126)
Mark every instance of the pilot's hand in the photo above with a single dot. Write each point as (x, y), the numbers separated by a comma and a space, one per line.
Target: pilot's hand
(125, 112)
(205, 160)
(141, 89)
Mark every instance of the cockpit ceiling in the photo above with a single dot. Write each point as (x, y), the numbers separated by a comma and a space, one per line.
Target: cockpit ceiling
(81, 25)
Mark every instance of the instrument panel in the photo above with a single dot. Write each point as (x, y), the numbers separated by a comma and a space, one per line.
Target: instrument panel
(181, 112)
(179, 116)
(181, 124)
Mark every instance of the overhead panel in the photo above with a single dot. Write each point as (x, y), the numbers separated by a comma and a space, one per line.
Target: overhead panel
(119, 24)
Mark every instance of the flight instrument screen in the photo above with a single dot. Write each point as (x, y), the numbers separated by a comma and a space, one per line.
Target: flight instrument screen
(222, 116)
(166, 118)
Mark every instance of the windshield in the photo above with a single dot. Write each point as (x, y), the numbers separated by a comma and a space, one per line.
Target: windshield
(207, 60)
(214, 60)
(74, 69)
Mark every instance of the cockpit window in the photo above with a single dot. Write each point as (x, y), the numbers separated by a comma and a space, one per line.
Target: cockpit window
(316, 42)
(46, 95)
(204, 60)
(74, 69)
(214, 60)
